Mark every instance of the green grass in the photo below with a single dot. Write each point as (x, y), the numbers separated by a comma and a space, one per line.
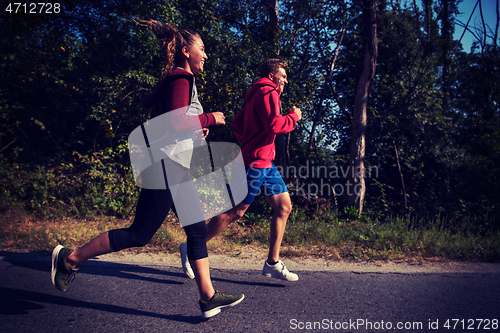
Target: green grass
(311, 232)
(373, 239)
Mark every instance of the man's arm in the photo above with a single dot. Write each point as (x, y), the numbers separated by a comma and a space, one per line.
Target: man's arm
(271, 117)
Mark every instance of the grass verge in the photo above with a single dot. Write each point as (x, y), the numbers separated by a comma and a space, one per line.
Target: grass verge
(313, 232)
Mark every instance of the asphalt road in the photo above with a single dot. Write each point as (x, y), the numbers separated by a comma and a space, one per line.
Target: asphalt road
(117, 297)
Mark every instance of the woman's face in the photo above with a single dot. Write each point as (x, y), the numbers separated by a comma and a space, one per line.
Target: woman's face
(196, 56)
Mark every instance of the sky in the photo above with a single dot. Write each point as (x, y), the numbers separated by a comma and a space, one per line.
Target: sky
(465, 8)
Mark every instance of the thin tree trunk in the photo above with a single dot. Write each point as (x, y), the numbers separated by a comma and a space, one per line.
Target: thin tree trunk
(328, 80)
(445, 37)
(400, 173)
(495, 42)
(274, 18)
(355, 186)
(485, 35)
(281, 139)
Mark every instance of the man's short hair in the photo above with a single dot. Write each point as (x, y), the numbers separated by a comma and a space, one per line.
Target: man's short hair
(272, 66)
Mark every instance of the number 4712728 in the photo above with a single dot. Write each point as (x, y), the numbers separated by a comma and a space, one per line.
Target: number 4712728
(33, 8)
(471, 324)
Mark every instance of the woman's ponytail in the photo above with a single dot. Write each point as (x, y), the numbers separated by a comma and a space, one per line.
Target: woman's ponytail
(172, 40)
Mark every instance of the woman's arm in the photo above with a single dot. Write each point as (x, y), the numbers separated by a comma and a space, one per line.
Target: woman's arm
(176, 99)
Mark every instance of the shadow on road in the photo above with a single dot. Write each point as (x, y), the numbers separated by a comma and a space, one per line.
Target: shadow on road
(249, 283)
(21, 301)
(41, 260)
(15, 301)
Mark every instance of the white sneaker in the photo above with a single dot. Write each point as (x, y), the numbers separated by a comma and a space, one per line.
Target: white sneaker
(279, 271)
(185, 262)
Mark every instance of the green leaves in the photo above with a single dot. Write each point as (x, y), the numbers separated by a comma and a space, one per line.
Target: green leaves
(74, 83)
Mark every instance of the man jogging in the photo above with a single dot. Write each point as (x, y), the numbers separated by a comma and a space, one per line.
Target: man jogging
(256, 127)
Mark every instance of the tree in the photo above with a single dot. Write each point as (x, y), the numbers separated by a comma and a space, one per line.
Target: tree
(282, 153)
(356, 187)
(426, 120)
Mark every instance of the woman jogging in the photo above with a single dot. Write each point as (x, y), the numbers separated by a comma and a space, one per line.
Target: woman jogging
(185, 56)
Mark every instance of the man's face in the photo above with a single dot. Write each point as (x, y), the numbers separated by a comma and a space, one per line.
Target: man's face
(280, 77)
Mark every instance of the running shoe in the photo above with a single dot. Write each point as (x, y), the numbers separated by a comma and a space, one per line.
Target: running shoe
(62, 275)
(218, 302)
(185, 262)
(279, 271)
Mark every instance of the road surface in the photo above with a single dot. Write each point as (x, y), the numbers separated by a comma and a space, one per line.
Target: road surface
(137, 296)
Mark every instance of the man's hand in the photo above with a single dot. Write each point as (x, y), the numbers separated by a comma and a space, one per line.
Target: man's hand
(219, 118)
(297, 111)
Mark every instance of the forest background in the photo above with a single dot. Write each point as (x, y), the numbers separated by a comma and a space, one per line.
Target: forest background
(426, 131)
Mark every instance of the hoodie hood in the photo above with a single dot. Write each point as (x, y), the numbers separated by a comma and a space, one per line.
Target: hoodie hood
(260, 83)
(152, 100)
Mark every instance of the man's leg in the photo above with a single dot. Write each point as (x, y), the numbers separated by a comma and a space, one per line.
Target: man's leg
(255, 179)
(282, 207)
(220, 222)
(274, 267)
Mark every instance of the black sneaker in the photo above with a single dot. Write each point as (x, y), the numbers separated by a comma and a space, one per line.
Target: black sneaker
(62, 275)
(218, 302)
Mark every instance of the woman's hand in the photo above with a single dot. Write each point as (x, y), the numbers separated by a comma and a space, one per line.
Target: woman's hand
(201, 134)
(219, 118)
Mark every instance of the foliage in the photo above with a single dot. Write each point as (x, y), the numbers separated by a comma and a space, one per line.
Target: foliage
(87, 184)
(72, 86)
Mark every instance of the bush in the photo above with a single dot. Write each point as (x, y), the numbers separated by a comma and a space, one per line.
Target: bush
(83, 185)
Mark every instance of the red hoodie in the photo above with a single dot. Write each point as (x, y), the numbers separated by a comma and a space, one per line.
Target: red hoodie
(174, 93)
(257, 124)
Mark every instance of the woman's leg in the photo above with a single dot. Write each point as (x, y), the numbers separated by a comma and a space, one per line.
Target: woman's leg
(152, 209)
(198, 258)
(96, 247)
(202, 275)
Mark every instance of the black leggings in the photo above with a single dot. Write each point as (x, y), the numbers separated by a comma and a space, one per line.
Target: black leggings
(153, 207)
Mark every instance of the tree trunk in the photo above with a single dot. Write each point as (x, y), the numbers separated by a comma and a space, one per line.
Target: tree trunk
(281, 139)
(495, 41)
(355, 186)
(446, 37)
(273, 27)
